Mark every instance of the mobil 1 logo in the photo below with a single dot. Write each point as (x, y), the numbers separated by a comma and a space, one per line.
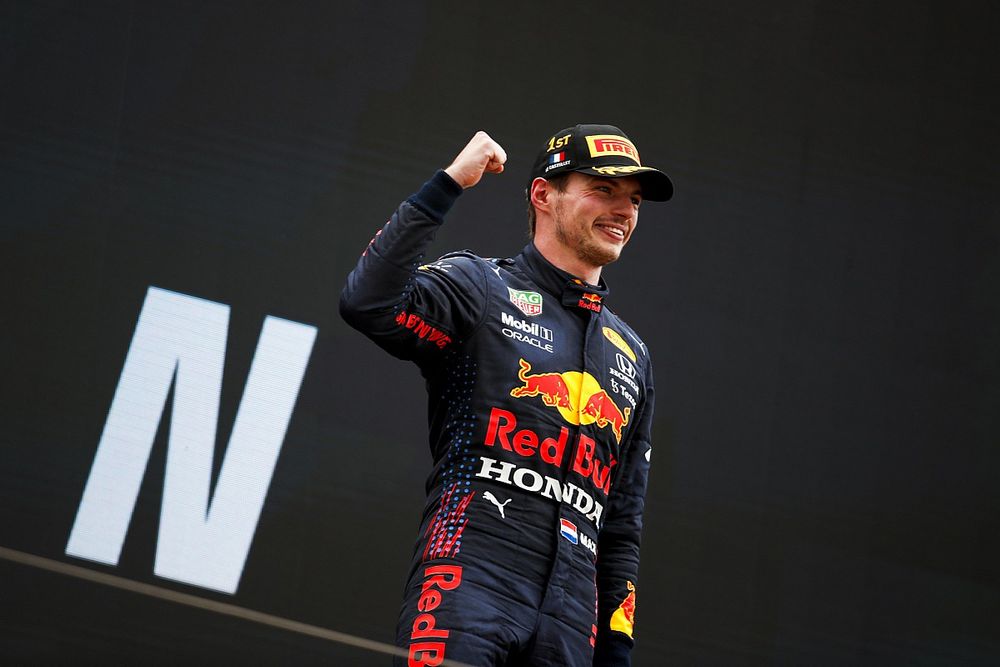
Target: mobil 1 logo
(530, 333)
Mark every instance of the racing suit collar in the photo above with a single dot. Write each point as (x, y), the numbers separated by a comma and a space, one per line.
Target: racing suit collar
(571, 290)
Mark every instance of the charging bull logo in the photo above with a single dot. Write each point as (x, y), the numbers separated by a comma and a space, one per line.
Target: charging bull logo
(624, 617)
(550, 386)
(577, 395)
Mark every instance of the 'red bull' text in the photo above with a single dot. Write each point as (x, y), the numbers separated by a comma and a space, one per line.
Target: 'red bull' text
(427, 645)
(502, 430)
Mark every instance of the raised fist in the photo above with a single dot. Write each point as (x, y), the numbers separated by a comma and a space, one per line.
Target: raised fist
(481, 155)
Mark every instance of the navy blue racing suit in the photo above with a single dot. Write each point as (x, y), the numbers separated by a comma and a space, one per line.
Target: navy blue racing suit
(540, 405)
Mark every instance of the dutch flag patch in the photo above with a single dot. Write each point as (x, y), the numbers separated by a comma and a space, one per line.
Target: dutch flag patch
(568, 530)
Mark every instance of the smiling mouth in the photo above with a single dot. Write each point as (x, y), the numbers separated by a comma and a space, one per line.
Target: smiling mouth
(614, 232)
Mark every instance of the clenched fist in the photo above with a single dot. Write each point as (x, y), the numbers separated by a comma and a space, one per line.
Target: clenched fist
(481, 155)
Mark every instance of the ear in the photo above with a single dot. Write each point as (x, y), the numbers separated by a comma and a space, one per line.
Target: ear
(541, 194)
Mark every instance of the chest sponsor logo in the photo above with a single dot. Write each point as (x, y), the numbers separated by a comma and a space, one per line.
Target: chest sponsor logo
(625, 366)
(531, 333)
(526, 443)
(578, 397)
(535, 482)
(623, 391)
(625, 372)
(619, 342)
(529, 303)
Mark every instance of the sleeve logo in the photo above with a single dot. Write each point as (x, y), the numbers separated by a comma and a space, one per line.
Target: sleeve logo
(624, 617)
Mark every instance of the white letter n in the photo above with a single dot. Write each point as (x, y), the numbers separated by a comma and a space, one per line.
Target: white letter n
(202, 541)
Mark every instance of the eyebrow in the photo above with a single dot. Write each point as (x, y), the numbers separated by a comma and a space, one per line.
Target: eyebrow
(604, 179)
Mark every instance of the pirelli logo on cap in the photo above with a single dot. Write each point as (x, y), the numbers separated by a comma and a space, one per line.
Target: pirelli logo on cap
(603, 145)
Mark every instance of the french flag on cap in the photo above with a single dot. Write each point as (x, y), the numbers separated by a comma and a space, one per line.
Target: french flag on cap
(568, 530)
(557, 157)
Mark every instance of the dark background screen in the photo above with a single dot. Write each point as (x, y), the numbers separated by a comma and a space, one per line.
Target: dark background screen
(820, 297)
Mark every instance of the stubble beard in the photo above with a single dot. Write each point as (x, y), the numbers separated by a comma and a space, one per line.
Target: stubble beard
(574, 236)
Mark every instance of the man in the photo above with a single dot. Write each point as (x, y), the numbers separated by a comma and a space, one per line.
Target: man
(541, 402)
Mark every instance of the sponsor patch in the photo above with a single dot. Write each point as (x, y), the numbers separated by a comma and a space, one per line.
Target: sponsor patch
(529, 480)
(488, 495)
(603, 145)
(624, 617)
(619, 342)
(426, 645)
(422, 330)
(577, 395)
(624, 366)
(556, 165)
(529, 303)
(622, 391)
(590, 301)
(526, 332)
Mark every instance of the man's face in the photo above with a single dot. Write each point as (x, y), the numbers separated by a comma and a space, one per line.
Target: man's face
(594, 217)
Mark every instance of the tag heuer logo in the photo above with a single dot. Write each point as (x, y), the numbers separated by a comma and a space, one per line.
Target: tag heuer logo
(529, 303)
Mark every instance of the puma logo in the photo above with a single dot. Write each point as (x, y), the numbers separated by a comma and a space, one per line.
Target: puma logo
(493, 499)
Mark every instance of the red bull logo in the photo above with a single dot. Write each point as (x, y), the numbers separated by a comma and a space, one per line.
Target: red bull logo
(624, 617)
(550, 386)
(590, 302)
(427, 646)
(577, 395)
(606, 413)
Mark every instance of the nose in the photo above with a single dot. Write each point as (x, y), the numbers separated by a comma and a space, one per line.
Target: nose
(622, 205)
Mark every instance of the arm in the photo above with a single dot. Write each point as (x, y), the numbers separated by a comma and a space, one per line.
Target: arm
(408, 311)
(618, 544)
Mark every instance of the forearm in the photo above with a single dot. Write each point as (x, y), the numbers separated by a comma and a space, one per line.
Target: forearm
(619, 542)
(379, 285)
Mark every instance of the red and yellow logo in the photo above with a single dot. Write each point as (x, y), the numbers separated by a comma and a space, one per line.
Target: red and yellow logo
(619, 342)
(577, 396)
(624, 617)
(603, 145)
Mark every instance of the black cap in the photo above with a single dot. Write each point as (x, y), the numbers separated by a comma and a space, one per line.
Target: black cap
(599, 150)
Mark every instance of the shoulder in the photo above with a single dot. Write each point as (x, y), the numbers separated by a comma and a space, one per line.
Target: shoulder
(452, 264)
(467, 264)
(463, 269)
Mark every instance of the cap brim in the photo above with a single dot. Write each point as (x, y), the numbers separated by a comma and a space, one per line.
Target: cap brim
(656, 186)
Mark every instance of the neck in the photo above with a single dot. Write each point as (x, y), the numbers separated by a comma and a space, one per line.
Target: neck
(564, 258)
